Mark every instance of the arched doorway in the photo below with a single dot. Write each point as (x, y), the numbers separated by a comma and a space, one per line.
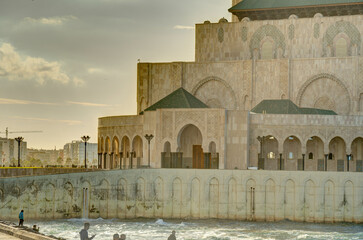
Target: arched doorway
(137, 152)
(337, 155)
(190, 144)
(314, 158)
(270, 154)
(357, 155)
(292, 153)
(125, 152)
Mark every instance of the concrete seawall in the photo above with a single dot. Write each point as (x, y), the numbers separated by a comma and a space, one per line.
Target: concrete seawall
(187, 193)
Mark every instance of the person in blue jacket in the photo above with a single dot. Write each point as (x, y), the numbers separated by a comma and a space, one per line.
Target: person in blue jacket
(21, 217)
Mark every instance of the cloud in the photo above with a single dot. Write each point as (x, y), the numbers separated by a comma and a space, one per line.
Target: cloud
(22, 102)
(78, 82)
(68, 122)
(51, 21)
(17, 68)
(89, 104)
(95, 70)
(183, 27)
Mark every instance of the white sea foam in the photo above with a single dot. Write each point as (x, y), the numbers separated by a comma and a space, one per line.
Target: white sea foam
(141, 229)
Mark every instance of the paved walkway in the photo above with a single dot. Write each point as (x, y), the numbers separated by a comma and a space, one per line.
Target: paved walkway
(3, 236)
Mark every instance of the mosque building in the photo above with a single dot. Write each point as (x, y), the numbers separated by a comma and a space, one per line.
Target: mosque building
(278, 88)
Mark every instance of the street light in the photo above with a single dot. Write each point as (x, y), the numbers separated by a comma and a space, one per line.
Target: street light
(148, 138)
(85, 139)
(19, 140)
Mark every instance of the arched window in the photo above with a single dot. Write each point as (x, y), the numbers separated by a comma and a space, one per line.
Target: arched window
(271, 155)
(291, 155)
(267, 49)
(311, 155)
(341, 47)
(330, 157)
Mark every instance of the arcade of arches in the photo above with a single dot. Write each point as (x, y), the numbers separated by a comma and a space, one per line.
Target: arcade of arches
(313, 155)
(120, 154)
(189, 154)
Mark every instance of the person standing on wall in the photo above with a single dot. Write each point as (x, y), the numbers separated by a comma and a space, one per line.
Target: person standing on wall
(21, 217)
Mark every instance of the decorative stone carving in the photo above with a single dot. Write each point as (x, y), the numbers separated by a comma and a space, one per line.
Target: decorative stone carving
(244, 33)
(220, 35)
(246, 19)
(342, 27)
(214, 90)
(223, 20)
(291, 31)
(318, 15)
(316, 30)
(325, 91)
(293, 16)
(268, 31)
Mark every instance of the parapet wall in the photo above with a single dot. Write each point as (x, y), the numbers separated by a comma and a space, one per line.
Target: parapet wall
(6, 172)
(187, 193)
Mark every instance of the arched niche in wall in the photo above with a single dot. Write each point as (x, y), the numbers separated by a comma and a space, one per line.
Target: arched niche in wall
(115, 145)
(215, 92)
(190, 141)
(324, 91)
(107, 145)
(264, 32)
(352, 35)
(341, 43)
(137, 146)
(125, 146)
(357, 149)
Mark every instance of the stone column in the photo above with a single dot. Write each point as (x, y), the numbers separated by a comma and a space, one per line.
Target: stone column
(104, 160)
(131, 159)
(326, 162)
(111, 160)
(99, 160)
(348, 159)
(303, 162)
(280, 161)
(121, 156)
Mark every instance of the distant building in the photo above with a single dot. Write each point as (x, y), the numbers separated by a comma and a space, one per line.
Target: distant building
(45, 157)
(74, 153)
(9, 152)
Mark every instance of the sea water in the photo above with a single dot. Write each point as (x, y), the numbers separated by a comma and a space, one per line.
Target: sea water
(141, 229)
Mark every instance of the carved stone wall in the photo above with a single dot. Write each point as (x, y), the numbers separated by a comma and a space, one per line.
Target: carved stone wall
(298, 196)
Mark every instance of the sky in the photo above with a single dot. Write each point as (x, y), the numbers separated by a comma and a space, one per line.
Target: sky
(64, 64)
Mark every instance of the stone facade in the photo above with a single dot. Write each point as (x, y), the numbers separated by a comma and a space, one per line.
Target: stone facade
(186, 193)
(314, 62)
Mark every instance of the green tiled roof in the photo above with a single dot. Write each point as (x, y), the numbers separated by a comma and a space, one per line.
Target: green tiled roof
(285, 106)
(180, 98)
(265, 4)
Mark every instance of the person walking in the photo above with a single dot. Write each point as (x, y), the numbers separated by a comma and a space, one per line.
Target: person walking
(21, 218)
(172, 236)
(84, 232)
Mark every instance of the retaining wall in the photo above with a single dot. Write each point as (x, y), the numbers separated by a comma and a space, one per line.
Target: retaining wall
(187, 193)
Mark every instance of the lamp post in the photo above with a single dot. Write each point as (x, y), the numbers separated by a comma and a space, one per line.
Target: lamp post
(85, 139)
(148, 138)
(19, 140)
